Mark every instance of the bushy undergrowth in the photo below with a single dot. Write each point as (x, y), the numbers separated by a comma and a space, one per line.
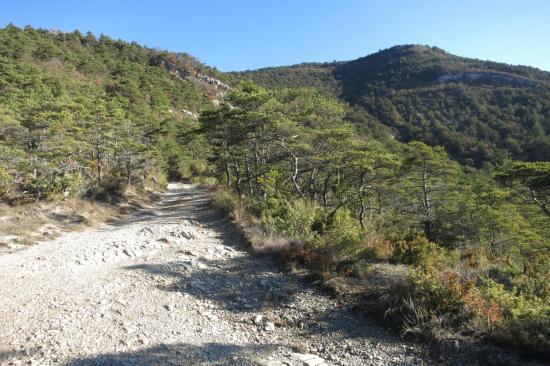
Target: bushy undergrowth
(526, 320)
(49, 187)
(224, 201)
(5, 180)
(445, 296)
(110, 189)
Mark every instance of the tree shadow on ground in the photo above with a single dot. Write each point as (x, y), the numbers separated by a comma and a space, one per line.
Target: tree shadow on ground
(177, 205)
(180, 354)
(238, 284)
(245, 285)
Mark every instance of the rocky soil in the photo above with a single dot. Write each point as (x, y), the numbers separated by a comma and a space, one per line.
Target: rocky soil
(173, 285)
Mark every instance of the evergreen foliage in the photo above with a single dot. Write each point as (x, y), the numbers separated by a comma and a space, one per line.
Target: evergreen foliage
(80, 114)
(85, 115)
(479, 111)
(473, 243)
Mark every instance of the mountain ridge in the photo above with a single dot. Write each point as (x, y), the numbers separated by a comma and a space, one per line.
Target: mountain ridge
(478, 110)
(403, 48)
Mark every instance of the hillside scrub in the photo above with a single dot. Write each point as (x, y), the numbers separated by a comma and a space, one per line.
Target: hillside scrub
(86, 116)
(342, 204)
(445, 249)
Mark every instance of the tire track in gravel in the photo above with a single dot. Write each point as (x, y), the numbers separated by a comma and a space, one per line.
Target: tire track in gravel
(172, 285)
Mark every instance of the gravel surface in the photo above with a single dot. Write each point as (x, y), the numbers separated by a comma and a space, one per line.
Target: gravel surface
(172, 285)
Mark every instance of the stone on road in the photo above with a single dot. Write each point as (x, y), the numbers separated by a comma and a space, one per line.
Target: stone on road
(174, 285)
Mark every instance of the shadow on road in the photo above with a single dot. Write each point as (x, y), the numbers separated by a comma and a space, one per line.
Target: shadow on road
(179, 354)
(189, 203)
(250, 284)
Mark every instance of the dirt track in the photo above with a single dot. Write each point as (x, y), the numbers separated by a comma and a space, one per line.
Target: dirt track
(172, 285)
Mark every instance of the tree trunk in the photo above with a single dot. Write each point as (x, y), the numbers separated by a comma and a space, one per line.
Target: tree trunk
(249, 176)
(311, 186)
(544, 207)
(362, 207)
(227, 173)
(426, 204)
(99, 162)
(325, 190)
(129, 170)
(256, 156)
(294, 176)
(238, 177)
(227, 168)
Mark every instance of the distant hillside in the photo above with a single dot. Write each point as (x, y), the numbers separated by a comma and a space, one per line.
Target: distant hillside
(478, 110)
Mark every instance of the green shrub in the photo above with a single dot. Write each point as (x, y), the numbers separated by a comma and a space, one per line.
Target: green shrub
(181, 169)
(113, 184)
(73, 184)
(162, 181)
(42, 187)
(290, 218)
(526, 321)
(52, 186)
(224, 201)
(268, 182)
(5, 180)
(199, 167)
(109, 189)
(158, 175)
(205, 180)
(274, 214)
(343, 234)
(417, 251)
(301, 216)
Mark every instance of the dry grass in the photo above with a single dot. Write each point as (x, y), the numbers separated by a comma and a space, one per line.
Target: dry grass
(27, 224)
(439, 306)
(376, 279)
(24, 225)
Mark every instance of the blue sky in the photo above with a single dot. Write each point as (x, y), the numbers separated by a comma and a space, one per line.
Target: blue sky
(247, 34)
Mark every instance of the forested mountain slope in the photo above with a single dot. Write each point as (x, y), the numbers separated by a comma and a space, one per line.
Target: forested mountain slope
(449, 251)
(478, 110)
(445, 251)
(74, 108)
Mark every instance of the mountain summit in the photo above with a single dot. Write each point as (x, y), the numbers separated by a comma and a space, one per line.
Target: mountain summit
(478, 110)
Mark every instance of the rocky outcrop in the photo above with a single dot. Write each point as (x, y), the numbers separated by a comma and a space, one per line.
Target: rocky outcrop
(492, 78)
(186, 75)
(212, 81)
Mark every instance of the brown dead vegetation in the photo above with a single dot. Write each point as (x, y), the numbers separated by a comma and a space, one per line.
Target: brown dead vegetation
(386, 291)
(26, 223)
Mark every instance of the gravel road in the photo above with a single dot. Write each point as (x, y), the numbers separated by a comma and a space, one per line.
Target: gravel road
(172, 285)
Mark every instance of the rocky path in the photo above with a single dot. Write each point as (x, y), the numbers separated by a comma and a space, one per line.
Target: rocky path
(173, 286)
